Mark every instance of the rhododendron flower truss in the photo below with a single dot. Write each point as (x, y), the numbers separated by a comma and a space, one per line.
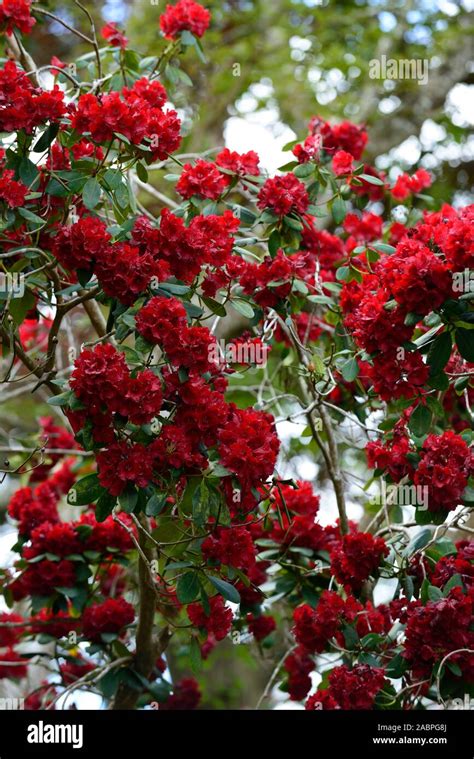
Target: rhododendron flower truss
(204, 333)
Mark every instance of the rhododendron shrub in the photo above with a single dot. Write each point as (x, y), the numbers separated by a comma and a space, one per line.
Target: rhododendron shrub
(159, 517)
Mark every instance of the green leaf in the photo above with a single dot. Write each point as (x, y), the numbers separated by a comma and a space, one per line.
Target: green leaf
(439, 353)
(46, 138)
(62, 399)
(243, 308)
(128, 499)
(342, 273)
(187, 587)
(304, 170)
(91, 193)
(350, 370)
(339, 210)
(214, 305)
(371, 180)
(104, 506)
(420, 420)
(225, 589)
(465, 343)
(156, 504)
(85, 491)
(396, 667)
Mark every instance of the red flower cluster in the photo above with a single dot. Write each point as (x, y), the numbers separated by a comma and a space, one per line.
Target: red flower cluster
(299, 664)
(186, 15)
(101, 380)
(342, 163)
(185, 250)
(11, 628)
(43, 577)
(437, 629)
(162, 321)
(354, 688)
(406, 185)
(12, 665)
(136, 113)
(186, 695)
(283, 195)
(314, 628)
(363, 228)
(219, 620)
(241, 164)
(345, 136)
(110, 616)
(262, 626)
(121, 464)
(309, 150)
(230, 545)
(22, 106)
(113, 35)
(269, 281)
(13, 193)
(80, 245)
(32, 508)
(417, 278)
(461, 563)
(356, 558)
(445, 466)
(203, 180)
(16, 14)
(248, 445)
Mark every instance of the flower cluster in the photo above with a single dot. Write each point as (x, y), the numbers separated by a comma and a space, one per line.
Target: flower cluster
(186, 15)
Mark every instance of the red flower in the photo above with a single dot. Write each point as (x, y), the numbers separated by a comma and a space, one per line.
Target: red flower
(122, 464)
(79, 246)
(309, 150)
(418, 279)
(437, 629)
(12, 665)
(248, 445)
(186, 695)
(444, 470)
(124, 273)
(43, 577)
(59, 539)
(13, 193)
(32, 508)
(160, 319)
(299, 664)
(356, 558)
(283, 195)
(406, 185)
(261, 627)
(241, 164)
(15, 14)
(219, 620)
(113, 35)
(203, 179)
(351, 689)
(22, 106)
(186, 15)
(230, 545)
(342, 163)
(107, 617)
(58, 624)
(314, 628)
(11, 628)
